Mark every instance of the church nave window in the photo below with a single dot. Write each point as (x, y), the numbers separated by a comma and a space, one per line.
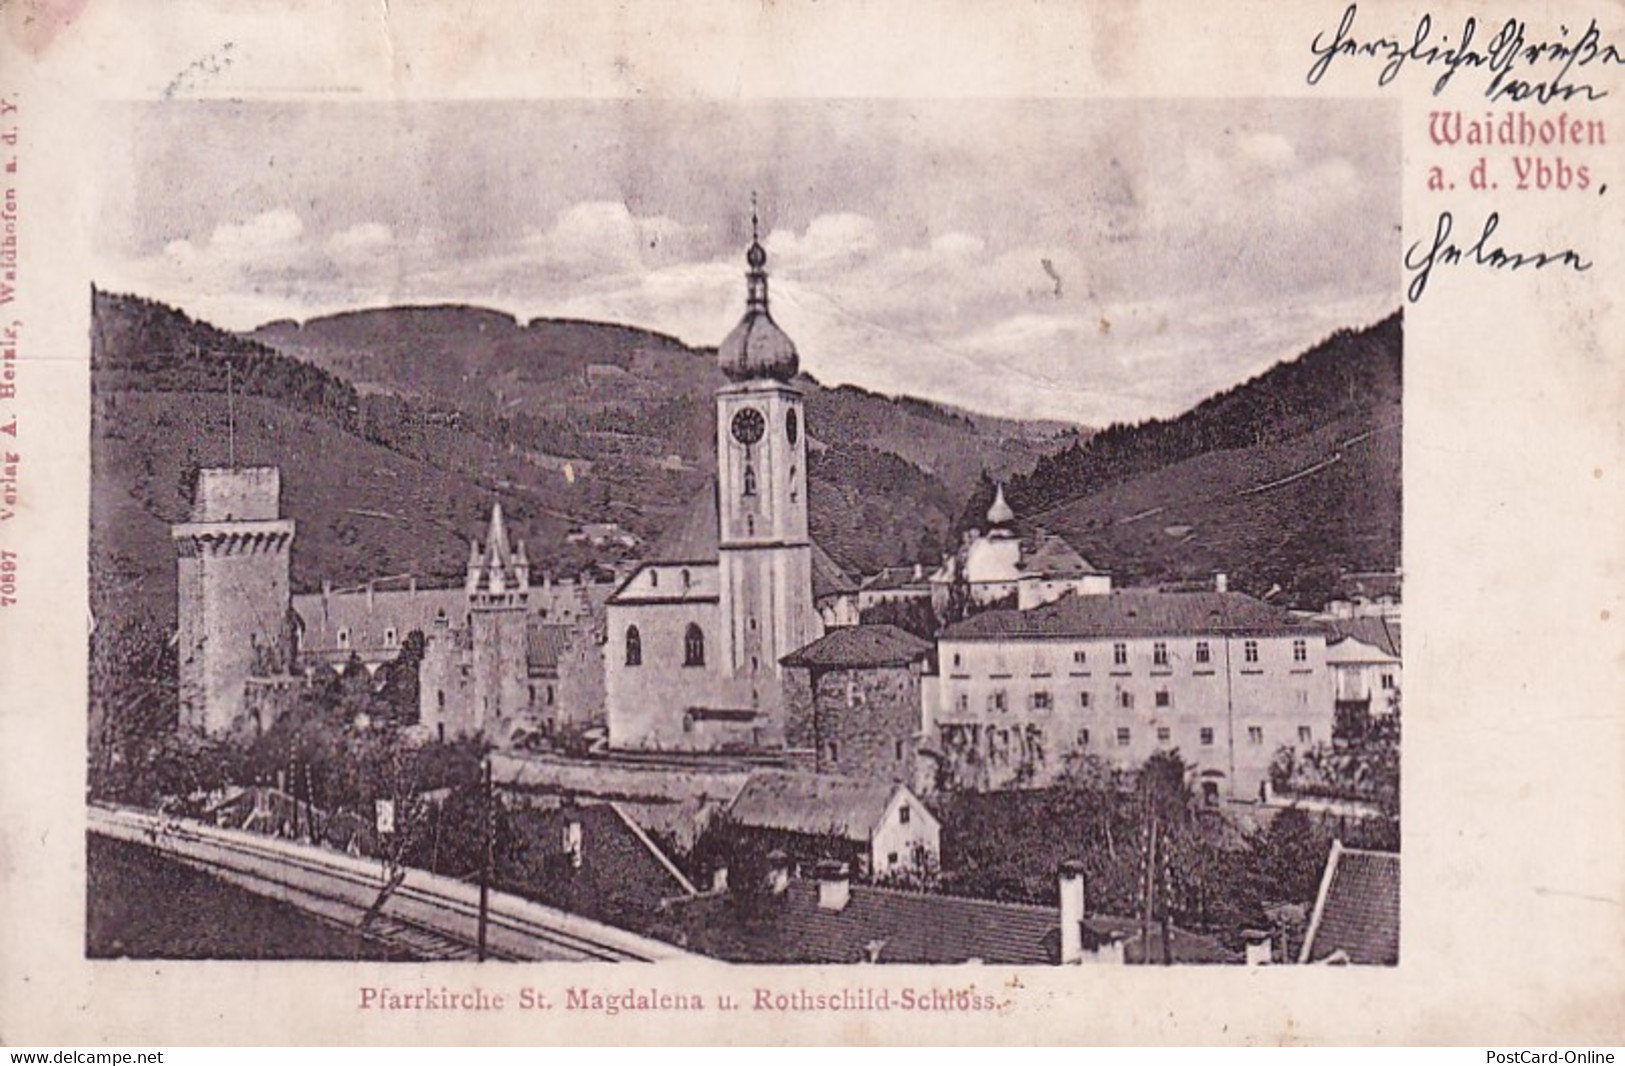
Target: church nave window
(693, 646)
(634, 647)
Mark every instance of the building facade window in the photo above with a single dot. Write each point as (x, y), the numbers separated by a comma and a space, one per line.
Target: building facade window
(1083, 699)
(390, 639)
(996, 700)
(1122, 736)
(1305, 734)
(1249, 651)
(1207, 737)
(903, 814)
(1120, 654)
(1255, 734)
(897, 750)
(688, 579)
(1125, 700)
(1388, 682)
(962, 701)
(634, 647)
(693, 646)
(1159, 654)
(344, 637)
(750, 480)
(654, 579)
(1083, 738)
(1163, 734)
(1080, 657)
(1203, 652)
(1165, 698)
(1300, 651)
(834, 751)
(1042, 700)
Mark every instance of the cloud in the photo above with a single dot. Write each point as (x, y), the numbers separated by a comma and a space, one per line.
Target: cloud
(359, 242)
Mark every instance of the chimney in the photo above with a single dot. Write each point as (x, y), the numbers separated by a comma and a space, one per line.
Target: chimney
(834, 885)
(778, 872)
(1072, 912)
(1221, 582)
(1258, 948)
(572, 841)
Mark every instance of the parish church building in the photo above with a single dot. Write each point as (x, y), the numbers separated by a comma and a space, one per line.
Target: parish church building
(696, 634)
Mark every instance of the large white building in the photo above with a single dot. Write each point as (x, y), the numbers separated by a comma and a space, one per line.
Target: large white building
(1223, 677)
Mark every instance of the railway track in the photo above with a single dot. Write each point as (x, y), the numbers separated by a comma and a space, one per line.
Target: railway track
(427, 917)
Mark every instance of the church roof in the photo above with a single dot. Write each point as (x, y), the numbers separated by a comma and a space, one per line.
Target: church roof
(828, 578)
(693, 538)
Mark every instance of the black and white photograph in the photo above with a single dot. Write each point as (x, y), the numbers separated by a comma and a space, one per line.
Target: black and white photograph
(785, 532)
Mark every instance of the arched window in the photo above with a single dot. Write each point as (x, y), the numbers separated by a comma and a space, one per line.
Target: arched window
(634, 647)
(750, 480)
(693, 646)
(687, 580)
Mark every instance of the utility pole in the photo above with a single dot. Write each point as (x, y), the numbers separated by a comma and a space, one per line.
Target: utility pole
(485, 856)
(231, 421)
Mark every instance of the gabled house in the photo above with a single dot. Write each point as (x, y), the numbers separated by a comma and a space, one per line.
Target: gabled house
(884, 826)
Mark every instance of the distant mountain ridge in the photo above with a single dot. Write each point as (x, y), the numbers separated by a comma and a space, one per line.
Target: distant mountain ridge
(397, 428)
(1285, 481)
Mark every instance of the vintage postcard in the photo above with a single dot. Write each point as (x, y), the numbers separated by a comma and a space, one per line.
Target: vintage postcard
(914, 523)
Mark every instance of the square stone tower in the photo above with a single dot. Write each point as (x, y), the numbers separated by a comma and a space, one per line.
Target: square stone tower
(233, 590)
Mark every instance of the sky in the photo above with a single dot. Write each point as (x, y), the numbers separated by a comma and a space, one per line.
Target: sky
(1085, 260)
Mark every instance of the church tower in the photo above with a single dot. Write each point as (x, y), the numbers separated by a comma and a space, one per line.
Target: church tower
(498, 586)
(764, 552)
(232, 580)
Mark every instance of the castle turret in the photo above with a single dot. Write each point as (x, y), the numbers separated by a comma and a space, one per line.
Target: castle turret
(232, 581)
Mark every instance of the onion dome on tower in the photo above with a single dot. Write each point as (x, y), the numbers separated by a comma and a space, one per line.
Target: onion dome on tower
(1000, 515)
(757, 348)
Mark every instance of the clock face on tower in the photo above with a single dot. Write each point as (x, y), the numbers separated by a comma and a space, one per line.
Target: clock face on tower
(748, 426)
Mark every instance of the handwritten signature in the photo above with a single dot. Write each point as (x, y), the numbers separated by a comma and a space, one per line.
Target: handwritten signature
(1509, 56)
(1445, 252)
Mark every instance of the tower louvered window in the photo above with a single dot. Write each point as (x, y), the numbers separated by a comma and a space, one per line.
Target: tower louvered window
(693, 646)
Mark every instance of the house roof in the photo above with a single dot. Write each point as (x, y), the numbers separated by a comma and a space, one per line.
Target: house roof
(888, 578)
(367, 619)
(545, 645)
(1049, 555)
(1357, 912)
(1131, 613)
(861, 646)
(694, 538)
(848, 807)
(1381, 633)
(889, 925)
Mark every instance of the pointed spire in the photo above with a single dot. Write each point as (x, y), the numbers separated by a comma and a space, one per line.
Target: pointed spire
(496, 537)
(999, 514)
